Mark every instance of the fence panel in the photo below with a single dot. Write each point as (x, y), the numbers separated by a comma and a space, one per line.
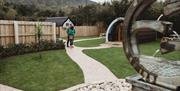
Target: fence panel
(15, 32)
(80, 31)
(6, 33)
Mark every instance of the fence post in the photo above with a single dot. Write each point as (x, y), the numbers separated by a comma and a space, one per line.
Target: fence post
(54, 31)
(16, 32)
(59, 31)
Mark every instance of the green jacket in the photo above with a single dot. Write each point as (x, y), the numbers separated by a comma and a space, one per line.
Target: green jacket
(71, 31)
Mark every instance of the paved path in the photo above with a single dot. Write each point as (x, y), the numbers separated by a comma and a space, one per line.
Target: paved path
(7, 88)
(93, 70)
(97, 76)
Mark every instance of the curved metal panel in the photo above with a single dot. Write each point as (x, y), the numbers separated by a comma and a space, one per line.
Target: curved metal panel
(153, 70)
(112, 25)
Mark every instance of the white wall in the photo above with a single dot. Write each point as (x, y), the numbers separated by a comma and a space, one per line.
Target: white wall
(67, 24)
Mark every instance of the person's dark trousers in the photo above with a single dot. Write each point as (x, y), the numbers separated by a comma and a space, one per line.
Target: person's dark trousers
(68, 40)
(71, 42)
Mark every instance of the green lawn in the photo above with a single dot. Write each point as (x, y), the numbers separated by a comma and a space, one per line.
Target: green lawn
(90, 43)
(115, 60)
(82, 37)
(53, 72)
(150, 48)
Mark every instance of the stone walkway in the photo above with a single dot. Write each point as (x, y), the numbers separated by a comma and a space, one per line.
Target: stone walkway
(97, 76)
(93, 70)
(7, 88)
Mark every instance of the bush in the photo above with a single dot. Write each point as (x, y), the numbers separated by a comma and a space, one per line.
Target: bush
(1, 48)
(20, 49)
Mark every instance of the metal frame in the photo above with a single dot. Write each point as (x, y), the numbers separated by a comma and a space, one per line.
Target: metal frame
(117, 20)
(131, 26)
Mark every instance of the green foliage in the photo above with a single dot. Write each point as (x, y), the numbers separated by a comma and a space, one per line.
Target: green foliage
(1, 48)
(153, 12)
(24, 10)
(106, 13)
(45, 13)
(53, 4)
(1, 3)
(39, 32)
(14, 11)
(77, 10)
(20, 49)
(120, 8)
(11, 14)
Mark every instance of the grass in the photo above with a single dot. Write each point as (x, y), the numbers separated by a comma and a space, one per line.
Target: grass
(115, 60)
(28, 72)
(150, 48)
(90, 43)
(82, 37)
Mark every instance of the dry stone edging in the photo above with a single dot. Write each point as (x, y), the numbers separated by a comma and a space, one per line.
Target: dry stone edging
(117, 85)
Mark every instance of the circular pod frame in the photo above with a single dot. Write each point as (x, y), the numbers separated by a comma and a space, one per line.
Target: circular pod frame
(131, 48)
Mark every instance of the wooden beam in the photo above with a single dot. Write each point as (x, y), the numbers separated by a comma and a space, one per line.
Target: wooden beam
(16, 33)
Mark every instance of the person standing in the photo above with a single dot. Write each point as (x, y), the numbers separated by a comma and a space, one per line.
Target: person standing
(71, 33)
(67, 31)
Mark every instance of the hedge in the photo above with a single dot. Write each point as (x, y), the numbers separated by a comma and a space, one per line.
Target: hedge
(19, 49)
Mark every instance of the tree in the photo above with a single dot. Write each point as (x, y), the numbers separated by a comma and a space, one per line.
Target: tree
(24, 10)
(39, 35)
(11, 14)
(1, 3)
(106, 14)
(39, 32)
(120, 7)
(153, 12)
(84, 15)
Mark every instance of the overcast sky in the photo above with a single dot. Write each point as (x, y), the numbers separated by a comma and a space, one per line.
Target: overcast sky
(101, 0)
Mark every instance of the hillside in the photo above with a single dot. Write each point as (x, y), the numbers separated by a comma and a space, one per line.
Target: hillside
(51, 3)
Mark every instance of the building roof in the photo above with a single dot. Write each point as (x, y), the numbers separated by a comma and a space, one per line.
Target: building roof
(58, 20)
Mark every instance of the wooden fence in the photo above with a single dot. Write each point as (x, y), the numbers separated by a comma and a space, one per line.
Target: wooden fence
(15, 32)
(80, 31)
(146, 35)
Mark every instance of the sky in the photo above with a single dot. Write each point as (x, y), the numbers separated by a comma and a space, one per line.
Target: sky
(101, 1)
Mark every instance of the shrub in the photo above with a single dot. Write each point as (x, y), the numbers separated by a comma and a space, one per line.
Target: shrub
(19, 49)
(1, 48)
